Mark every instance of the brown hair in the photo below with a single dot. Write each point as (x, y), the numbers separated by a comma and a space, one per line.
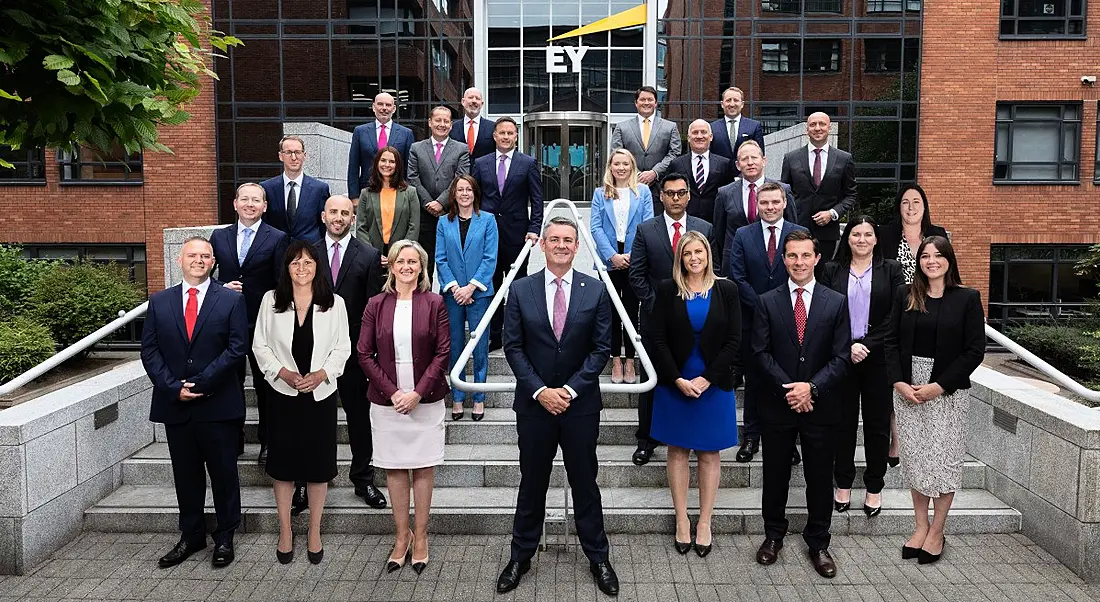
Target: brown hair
(918, 290)
(768, 187)
(297, 139)
(452, 195)
(397, 180)
(798, 235)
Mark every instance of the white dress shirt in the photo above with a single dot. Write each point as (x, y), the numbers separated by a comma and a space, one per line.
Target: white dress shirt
(621, 205)
(240, 235)
(507, 161)
(695, 165)
(343, 246)
(551, 290)
(807, 293)
(402, 345)
(683, 221)
(824, 165)
(378, 131)
(641, 122)
(745, 195)
(297, 186)
(203, 287)
(778, 234)
(466, 121)
(733, 129)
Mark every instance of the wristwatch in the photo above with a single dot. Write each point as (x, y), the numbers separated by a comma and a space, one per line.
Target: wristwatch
(813, 391)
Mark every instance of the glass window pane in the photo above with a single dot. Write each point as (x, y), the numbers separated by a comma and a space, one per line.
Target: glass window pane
(1038, 112)
(1029, 282)
(503, 93)
(1002, 142)
(1033, 172)
(536, 81)
(1073, 288)
(1034, 142)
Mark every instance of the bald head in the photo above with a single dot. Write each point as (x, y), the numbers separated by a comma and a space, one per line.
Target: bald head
(472, 101)
(384, 106)
(817, 128)
(699, 136)
(338, 216)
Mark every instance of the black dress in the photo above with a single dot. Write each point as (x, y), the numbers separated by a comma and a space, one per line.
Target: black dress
(301, 432)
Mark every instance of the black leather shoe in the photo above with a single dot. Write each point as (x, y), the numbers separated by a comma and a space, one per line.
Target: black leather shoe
(681, 547)
(641, 456)
(841, 507)
(606, 579)
(178, 554)
(300, 502)
(893, 461)
(871, 511)
(701, 551)
(908, 553)
(823, 563)
(372, 496)
(284, 557)
(796, 458)
(261, 459)
(769, 551)
(477, 417)
(457, 415)
(316, 557)
(510, 576)
(748, 449)
(223, 555)
(924, 557)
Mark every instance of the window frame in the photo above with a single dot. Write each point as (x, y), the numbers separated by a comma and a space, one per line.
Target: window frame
(35, 157)
(1000, 255)
(783, 55)
(1010, 123)
(905, 53)
(799, 7)
(1016, 19)
(881, 6)
(70, 160)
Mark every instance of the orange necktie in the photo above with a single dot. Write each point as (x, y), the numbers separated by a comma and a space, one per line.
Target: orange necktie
(470, 136)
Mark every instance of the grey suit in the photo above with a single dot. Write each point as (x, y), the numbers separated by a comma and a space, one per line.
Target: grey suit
(664, 146)
(406, 218)
(432, 181)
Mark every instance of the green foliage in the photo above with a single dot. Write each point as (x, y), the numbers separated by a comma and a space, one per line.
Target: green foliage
(18, 277)
(1075, 351)
(1089, 265)
(91, 72)
(23, 345)
(76, 300)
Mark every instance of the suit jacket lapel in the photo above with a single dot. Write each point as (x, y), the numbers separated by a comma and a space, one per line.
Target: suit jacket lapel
(538, 286)
(576, 297)
(786, 311)
(257, 243)
(375, 199)
(662, 235)
(235, 262)
(349, 257)
(176, 303)
(512, 168)
(372, 137)
(212, 294)
(739, 203)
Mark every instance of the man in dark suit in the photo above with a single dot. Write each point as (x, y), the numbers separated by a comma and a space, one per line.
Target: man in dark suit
(706, 170)
(194, 341)
(733, 129)
(736, 204)
(511, 189)
(651, 258)
(801, 341)
(475, 131)
(823, 180)
(558, 341)
(433, 164)
(653, 141)
(756, 266)
(249, 257)
(295, 199)
(366, 139)
(355, 270)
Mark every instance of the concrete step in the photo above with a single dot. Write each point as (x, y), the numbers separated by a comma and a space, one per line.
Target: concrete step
(490, 510)
(486, 465)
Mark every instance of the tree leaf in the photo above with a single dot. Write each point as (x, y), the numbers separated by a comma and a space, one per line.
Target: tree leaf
(9, 95)
(54, 62)
(68, 78)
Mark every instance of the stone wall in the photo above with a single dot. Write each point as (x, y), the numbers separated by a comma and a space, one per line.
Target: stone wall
(327, 151)
(777, 144)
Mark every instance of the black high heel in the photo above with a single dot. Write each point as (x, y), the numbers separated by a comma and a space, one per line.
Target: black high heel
(908, 553)
(316, 557)
(419, 565)
(284, 557)
(842, 507)
(928, 557)
(871, 511)
(457, 415)
(393, 564)
(700, 549)
(681, 547)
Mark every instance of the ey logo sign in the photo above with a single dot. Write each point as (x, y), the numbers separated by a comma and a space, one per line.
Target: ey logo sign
(566, 59)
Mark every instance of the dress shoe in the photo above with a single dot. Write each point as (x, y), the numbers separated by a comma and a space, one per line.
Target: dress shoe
(924, 557)
(477, 416)
(284, 557)
(823, 563)
(893, 461)
(869, 510)
(457, 415)
(393, 563)
(223, 555)
(842, 507)
(180, 553)
(908, 553)
(261, 458)
(701, 551)
(316, 557)
(300, 502)
(796, 458)
(616, 371)
(630, 376)
(372, 496)
(641, 456)
(510, 576)
(769, 551)
(606, 579)
(748, 449)
(420, 565)
(681, 547)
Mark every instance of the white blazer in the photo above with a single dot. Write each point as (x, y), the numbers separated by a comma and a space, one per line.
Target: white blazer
(275, 333)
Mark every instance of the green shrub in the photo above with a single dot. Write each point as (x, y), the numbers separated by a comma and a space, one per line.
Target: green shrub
(1075, 351)
(23, 345)
(18, 277)
(78, 299)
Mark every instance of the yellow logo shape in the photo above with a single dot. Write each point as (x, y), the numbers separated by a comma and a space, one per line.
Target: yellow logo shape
(628, 18)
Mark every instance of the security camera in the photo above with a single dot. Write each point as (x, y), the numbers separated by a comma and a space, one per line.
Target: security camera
(1088, 80)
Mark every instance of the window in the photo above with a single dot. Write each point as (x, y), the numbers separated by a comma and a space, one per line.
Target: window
(1042, 18)
(84, 165)
(381, 20)
(795, 6)
(1037, 142)
(892, 6)
(806, 56)
(29, 166)
(1037, 282)
(774, 119)
(442, 59)
(891, 55)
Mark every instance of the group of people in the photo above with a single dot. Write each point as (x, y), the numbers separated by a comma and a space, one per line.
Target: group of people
(330, 298)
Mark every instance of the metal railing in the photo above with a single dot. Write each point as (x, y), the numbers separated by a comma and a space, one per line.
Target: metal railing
(1039, 364)
(56, 359)
(458, 373)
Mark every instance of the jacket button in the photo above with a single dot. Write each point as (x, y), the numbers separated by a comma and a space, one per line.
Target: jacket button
(801, 359)
(190, 361)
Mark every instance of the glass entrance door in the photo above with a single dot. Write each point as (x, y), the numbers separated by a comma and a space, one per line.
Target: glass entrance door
(571, 149)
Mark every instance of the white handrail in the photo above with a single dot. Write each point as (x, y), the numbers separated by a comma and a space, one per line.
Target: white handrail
(1042, 366)
(458, 373)
(56, 359)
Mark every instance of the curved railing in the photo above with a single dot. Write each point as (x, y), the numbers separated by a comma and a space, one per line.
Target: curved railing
(1039, 364)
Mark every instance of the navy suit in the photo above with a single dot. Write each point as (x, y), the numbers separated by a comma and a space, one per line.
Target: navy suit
(364, 146)
(747, 129)
(821, 358)
(721, 172)
(837, 192)
(538, 359)
(729, 216)
(484, 145)
(202, 434)
(307, 215)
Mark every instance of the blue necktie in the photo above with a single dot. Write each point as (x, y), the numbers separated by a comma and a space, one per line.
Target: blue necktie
(245, 244)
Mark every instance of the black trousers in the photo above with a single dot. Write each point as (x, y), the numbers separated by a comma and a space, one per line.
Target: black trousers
(427, 240)
(645, 400)
(352, 386)
(828, 250)
(261, 387)
(539, 438)
(198, 448)
(505, 257)
(817, 465)
(621, 280)
(866, 386)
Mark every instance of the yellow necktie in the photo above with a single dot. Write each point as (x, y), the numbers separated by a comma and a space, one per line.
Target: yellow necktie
(645, 133)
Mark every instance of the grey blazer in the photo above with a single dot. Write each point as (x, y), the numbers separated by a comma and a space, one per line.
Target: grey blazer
(432, 180)
(664, 143)
(406, 217)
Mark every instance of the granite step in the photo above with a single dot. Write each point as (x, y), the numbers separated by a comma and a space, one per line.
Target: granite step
(490, 510)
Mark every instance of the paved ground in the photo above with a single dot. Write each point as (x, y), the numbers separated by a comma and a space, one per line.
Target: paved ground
(123, 567)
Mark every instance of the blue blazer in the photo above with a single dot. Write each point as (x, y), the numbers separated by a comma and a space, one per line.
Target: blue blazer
(603, 221)
(522, 189)
(749, 267)
(364, 146)
(747, 129)
(311, 204)
(262, 266)
(210, 359)
(473, 262)
(538, 359)
(484, 145)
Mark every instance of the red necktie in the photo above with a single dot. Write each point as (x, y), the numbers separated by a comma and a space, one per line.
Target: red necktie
(817, 167)
(675, 236)
(752, 202)
(191, 311)
(470, 136)
(771, 245)
(382, 138)
(800, 314)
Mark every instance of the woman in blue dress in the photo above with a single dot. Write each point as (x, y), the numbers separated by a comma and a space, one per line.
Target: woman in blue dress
(696, 339)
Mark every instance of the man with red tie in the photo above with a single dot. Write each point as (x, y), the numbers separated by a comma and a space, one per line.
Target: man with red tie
(194, 341)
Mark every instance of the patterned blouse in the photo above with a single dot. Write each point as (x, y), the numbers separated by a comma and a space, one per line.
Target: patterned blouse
(907, 261)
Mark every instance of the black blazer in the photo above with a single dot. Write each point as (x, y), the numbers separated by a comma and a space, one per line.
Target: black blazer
(651, 256)
(886, 278)
(721, 172)
(960, 339)
(674, 338)
(837, 190)
(889, 238)
(360, 278)
(262, 266)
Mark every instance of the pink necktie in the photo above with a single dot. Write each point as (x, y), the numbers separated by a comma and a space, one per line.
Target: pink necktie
(752, 202)
(335, 262)
(559, 309)
(817, 167)
(383, 139)
(438, 151)
(800, 315)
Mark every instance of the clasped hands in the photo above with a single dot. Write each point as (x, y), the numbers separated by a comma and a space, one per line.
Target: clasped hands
(556, 400)
(303, 384)
(693, 388)
(405, 402)
(435, 208)
(620, 261)
(463, 295)
(918, 393)
(799, 397)
(859, 352)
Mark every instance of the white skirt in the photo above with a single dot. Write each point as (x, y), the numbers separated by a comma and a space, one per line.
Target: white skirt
(408, 441)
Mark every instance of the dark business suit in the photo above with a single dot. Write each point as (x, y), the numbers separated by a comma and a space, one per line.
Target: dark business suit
(310, 206)
(484, 145)
(747, 129)
(650, 264)
(821, 358)
(729, 216)
(866, 385)
(837, 192)
(360, 278)
(364, 146)
(750, 269)
(259, 274)
(721, 172)
(202, 434)
(538, 359)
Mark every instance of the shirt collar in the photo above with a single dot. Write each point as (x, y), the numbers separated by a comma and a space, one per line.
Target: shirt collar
(733, 119)
(778, 225)
(705, 155)
(507, 154)
(435, 142)
(379, 124)
(652, 118)
(682, 221)
(298, 180)
(567, 279)
(467, 119)
(745, 182)
(824, 149)
(809, 288)
(343, 241)
(203, 287)
(254, 227)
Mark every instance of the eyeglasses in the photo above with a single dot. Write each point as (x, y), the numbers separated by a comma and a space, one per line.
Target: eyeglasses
(675, 194)
(294, 154)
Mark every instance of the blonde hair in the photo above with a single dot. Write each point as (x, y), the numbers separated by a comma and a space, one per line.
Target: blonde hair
(610, 191)
(679, 274)
(422, 283)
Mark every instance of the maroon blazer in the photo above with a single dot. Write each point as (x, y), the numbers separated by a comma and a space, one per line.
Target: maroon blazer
(431, 342)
